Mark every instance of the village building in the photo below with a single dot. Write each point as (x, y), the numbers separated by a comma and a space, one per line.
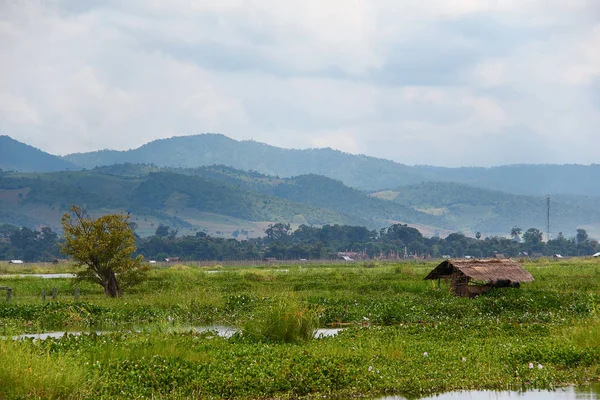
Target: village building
(472, 277)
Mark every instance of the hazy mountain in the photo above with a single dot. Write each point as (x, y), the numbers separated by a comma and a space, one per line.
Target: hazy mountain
(448, 205)
(357, 171)
(474, 209)
(213, 149)
(189, 203)
(17, 156)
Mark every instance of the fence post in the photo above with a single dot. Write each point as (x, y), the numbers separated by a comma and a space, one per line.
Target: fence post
(44, 295)
(8, 294)
(54, 293)
(76, 294)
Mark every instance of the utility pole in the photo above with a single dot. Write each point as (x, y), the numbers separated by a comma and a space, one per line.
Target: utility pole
(548, 218)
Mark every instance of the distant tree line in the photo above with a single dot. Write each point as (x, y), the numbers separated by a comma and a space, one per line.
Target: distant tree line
(28, 244)
(326, 242)
(309, 242)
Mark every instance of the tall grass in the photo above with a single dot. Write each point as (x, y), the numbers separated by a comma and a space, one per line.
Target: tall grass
(285, 320)
(153, 352)
(25, 373)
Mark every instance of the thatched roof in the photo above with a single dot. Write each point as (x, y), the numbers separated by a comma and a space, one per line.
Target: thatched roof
(488, 270)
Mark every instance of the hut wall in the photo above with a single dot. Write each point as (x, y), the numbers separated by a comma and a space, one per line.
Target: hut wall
(476, 290)
(459, 283)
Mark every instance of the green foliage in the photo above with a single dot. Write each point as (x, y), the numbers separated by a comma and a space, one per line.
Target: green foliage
(104, 247)
(27, 372)
(182, 198)
(392, 317)
(285, 320)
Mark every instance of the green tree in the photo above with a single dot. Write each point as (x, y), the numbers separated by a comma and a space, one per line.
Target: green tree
(515, 232)
(162, 230)
(582, 236)
(278, 232)
(104, 246)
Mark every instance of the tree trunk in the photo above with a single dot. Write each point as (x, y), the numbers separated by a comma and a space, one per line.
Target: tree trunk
(111, 286)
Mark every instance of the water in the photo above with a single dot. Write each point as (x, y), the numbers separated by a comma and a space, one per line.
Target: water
(220, 330)
(567, 393)
(264, 270)
(228, 331)
(47, 335)
(327, 332)
(44, 276)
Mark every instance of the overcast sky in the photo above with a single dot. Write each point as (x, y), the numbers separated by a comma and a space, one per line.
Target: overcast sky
(441, 82)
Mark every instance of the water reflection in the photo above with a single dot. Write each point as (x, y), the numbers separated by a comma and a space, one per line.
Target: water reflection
(54, 335)
(219, 330)
(568, 393)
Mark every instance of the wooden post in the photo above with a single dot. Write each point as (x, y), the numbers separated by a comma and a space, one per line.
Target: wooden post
(8, 292)
(44, 295)
(76, 294)
(54, 293)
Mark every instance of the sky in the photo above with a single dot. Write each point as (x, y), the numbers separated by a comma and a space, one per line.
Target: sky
(438, 82)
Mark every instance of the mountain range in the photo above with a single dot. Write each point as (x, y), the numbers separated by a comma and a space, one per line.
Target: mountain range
(358, 171)
(221, 186)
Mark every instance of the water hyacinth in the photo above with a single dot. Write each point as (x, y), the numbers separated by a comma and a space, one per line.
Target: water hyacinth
(542, 336)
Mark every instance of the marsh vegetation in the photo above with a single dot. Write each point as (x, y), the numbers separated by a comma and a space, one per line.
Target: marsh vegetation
(401, 336)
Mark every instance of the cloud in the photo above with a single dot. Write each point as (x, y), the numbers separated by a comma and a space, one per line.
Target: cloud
(445, 82)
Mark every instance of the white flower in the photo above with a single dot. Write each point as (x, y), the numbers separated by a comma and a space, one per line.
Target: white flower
(370, 368)
(425, 354)
(464, 359)
(540, 366)
(530, 365)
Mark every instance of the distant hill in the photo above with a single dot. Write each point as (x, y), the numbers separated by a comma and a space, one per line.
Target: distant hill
(359, 171)
(433, 207)
(213, 149)
(490, 211)
(324, 192)
(17, 156)
(190, 203)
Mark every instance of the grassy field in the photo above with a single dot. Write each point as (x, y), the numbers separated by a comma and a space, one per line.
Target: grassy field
(401, 336)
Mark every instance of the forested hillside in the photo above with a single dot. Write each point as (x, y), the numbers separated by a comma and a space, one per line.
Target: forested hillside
(358, 171)
(17, 156)
(177, 183)
(446, 205)
(491, 211)
(187, 202)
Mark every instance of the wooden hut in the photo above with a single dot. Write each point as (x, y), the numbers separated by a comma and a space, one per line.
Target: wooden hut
(470, 278)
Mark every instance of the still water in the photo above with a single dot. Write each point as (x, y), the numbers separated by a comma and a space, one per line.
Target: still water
(219, 330)
(568, 393)
(44, 276)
